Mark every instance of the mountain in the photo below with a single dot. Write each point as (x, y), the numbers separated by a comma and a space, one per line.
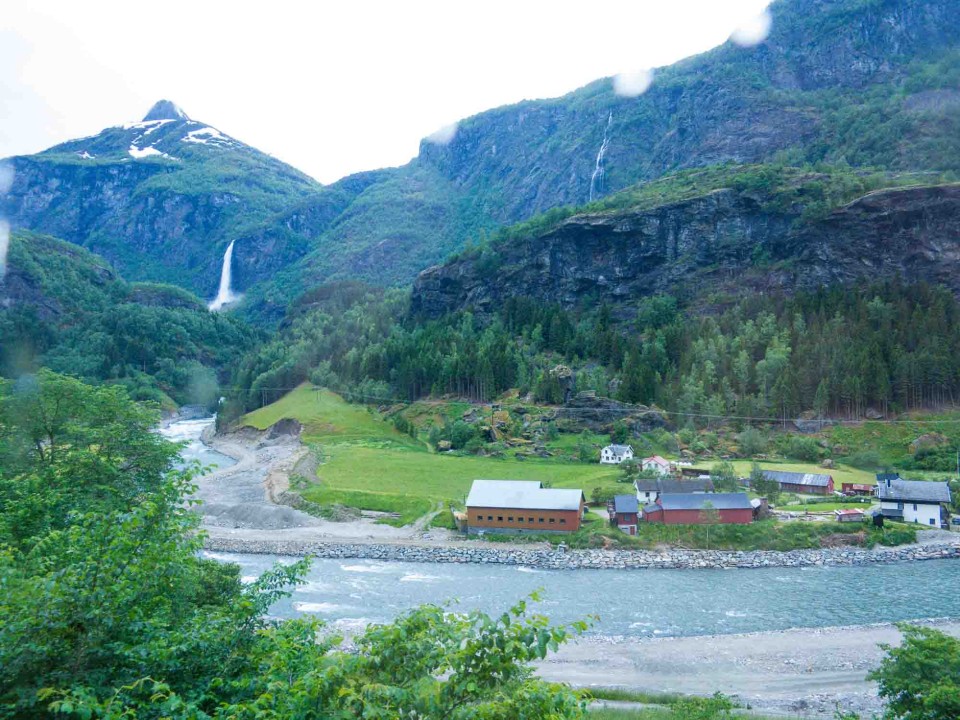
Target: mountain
(862, 83)
(64, 308)
(710, 236)
(865, 83)
(160, 198)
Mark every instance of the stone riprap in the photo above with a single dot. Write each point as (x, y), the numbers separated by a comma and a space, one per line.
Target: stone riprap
(555, 559)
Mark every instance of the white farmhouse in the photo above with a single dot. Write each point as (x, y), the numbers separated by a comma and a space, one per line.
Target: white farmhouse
(916, 501)
(615, 454)
(656, 464)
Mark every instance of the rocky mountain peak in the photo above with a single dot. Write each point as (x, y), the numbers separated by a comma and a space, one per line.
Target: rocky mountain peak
(165, 110)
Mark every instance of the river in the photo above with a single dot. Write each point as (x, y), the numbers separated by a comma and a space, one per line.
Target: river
(630, 603)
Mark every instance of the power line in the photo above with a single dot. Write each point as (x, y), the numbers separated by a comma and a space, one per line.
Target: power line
(634, 410)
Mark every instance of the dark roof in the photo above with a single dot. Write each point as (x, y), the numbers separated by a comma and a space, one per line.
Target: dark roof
(625, 504)
(619, 448)
(914, 491)
(795, 478)
(883, 477)
(687, 485)
(719, 501)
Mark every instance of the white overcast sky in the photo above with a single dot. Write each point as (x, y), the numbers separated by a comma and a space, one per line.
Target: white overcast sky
(329, 87)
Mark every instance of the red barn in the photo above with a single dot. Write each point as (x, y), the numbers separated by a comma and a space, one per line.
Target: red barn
(690, 509)
(624, 513)
(857, 489)
(802, 483)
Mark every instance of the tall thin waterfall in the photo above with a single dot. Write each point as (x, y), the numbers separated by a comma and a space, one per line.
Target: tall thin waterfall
(596, 180)
(225, 295)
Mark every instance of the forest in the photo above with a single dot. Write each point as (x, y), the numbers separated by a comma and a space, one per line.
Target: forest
(840, 351)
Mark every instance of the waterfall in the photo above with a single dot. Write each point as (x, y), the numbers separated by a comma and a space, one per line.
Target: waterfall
(225, 295)
(596, 180)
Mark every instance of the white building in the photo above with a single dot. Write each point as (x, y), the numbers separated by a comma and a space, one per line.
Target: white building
(657, 464)
(615, 454)
(915, 501)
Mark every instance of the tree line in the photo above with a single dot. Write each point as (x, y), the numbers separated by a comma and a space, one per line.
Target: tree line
(835, 352)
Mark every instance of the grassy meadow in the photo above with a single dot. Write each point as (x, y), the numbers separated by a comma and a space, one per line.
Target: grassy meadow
(367, 463)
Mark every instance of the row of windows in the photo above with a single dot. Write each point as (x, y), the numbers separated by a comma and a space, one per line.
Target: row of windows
(563, 521)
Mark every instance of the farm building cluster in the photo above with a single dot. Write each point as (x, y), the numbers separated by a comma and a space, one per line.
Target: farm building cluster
(683, 495)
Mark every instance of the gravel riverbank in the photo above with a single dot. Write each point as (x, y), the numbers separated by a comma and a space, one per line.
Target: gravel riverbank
(804, 672)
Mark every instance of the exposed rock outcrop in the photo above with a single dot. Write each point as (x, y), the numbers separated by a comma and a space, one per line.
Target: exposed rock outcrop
(710, 243)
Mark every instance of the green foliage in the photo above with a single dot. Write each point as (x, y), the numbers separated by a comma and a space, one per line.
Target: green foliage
(156, 341)
(752, 442)
(724, 476)
(108, 610)
(620, 432)
(799, 447)
(920, 679)
(763, 486)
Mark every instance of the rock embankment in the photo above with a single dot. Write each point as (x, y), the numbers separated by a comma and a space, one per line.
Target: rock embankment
(555, 559)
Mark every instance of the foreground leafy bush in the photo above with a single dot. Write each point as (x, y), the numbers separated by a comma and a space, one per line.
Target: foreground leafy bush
(108, 611)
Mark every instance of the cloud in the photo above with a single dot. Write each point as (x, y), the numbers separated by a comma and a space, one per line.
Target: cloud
(443, 136)
(632, 84)
(753, 31)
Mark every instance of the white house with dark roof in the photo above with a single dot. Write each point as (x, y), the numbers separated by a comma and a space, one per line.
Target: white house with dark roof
(916, 501)
(615, 454)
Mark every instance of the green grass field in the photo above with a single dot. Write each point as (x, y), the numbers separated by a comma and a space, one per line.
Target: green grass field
(367, 463)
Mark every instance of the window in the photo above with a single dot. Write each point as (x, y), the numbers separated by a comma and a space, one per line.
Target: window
(509, 519)
(489, 517)
(541, 519)
(563, 521)
(499, 518)
(932, 522)
(520, 519)
(531, 519)
(914, 507)
(552, 521)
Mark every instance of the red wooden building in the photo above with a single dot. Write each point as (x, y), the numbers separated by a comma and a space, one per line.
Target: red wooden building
(697, 509)
(522, 506)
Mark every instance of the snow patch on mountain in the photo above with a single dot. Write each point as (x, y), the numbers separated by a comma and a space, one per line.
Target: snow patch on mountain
(138, 153)
(206, 136)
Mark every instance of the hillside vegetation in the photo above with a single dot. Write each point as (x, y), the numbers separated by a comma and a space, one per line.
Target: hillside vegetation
(67, 310)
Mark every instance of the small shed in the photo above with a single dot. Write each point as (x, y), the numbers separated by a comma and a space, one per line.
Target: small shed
(848, 488)
(848, 515)
(626, 513)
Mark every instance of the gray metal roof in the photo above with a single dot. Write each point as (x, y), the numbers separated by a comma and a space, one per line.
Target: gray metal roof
(914, 491)
(795, 478)
(619, 448)
(687, 485)
(522, 495)
(719, 501)
(625, 504)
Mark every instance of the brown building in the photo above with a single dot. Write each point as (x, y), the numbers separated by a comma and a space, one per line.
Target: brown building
(624, 512)
(697, 509)
(517, 506)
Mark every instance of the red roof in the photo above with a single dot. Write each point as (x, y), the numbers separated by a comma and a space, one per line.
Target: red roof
(657, 459)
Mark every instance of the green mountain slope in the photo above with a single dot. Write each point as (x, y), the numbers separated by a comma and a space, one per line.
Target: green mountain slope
(65, 308)
(160, 199)
(866, 83)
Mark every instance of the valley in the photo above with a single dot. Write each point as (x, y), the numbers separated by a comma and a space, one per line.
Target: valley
(633, 393)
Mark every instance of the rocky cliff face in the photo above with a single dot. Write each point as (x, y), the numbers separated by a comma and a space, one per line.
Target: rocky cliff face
(724, 242)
